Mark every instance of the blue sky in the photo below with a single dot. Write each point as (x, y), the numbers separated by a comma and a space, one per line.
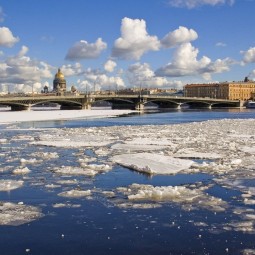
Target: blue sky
(111, 44)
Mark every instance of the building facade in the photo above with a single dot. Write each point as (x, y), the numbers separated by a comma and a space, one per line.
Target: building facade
(59, 83)
(242, 90)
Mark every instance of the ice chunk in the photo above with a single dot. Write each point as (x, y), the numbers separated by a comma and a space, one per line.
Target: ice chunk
(152, 163)
(135, 147)
(248, 149)
(75, 193)
(18, 214)
(6, 185)
(23, 170)
(194, 154)
(190, 199)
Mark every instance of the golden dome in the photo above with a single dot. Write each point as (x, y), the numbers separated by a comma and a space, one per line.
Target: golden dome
(59, 75)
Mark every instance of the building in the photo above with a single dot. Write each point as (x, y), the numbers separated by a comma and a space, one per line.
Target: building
(59, 83)
(241, 90)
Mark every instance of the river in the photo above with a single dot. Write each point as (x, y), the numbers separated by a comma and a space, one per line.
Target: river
(104, 221)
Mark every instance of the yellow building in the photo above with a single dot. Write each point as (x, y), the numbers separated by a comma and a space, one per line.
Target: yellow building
(242, 90)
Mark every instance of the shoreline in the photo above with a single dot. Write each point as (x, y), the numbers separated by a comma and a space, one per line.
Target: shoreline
(8, 117)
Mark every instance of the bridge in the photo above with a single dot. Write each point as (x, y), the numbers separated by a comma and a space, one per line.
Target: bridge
(118, 101)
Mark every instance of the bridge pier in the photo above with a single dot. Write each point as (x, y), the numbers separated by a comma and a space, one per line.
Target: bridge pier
(86, 103)
(86, 106)
(139, 106)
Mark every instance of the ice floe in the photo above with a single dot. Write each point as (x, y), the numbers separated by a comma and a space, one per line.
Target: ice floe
(23, 170)
(152, 163)
(18, 214)
(6, 185)
(75, 193)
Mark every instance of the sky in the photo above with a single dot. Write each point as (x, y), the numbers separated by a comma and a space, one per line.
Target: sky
(117, 44)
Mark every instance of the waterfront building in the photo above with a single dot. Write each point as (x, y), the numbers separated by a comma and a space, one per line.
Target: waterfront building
(59, 83)
(241, 90)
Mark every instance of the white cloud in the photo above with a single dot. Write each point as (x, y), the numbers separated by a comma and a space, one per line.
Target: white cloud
(71, 70)
(134, 40)
(6, 37)
(178, 36)
(97, 80)
(21, 69)
(142, 75)
(185, 63)
(85, 50)
(196, 3)
(249, 56)
(252, 74)
(220, 44)
(109, 66)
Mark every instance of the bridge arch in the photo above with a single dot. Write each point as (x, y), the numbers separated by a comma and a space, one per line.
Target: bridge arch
(164, 103)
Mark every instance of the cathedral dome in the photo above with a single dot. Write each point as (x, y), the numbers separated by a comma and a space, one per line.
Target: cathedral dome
(59, 75)
(59, 83)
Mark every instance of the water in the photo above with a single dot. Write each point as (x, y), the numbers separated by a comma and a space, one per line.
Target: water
(150, 117)
(97, 226)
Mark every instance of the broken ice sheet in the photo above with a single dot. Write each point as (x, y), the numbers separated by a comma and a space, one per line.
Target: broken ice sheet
(87, 170)
(189, 199)
(190, 153)
(75, 193)
(6, 185)
(18, 214)
(152, 163)
(135, 147)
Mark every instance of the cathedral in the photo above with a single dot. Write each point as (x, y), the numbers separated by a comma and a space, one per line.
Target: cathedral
(59, 83)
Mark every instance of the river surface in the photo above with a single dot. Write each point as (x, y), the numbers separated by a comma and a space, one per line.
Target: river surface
(149, 117)
(97, 226)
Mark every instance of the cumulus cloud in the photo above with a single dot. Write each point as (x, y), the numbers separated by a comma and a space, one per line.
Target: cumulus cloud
(6, 37)
(97, 80)
(72, 70)
(252, 74)
(196, 3)
(134, 40)
(249, 56)
(21, 69)
(85, 50)
(109, 66)
(186, 63)
(179, 36)
(142, 75)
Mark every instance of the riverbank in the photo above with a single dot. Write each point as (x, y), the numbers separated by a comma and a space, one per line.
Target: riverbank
(52, 114)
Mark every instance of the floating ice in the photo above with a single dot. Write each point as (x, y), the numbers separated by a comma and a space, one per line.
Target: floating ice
(88, 169)
(29, 161)
(75, 193)
(23, 170)
(190, 199)
(18, 214)
(6, 185)
(188, 153)
(45, 155)
(67, 205)
(152, 163)
(135, 147)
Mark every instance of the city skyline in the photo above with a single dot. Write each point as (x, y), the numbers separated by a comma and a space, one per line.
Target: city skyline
(115, 44)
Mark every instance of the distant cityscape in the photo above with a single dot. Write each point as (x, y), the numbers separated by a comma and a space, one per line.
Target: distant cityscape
(234, 90)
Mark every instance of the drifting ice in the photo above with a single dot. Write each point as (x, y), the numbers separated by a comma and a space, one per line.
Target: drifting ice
(152, 163)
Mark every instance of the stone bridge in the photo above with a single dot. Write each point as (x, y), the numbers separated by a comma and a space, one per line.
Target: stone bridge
(118, 101)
